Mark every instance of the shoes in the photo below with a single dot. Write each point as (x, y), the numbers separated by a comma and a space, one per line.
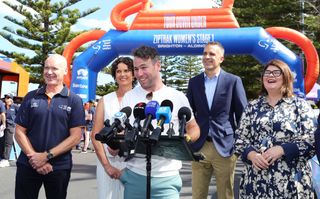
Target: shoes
(84, 151)
(4, 163)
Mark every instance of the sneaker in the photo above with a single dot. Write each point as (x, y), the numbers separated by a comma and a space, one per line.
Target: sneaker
(84, 151)
(4, 163)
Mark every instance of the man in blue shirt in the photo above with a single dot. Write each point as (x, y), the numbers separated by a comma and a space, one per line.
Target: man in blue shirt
(217, 99)
(48, 125)
(11, 110)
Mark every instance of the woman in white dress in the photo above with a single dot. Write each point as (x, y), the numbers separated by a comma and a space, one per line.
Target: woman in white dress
(109, 164)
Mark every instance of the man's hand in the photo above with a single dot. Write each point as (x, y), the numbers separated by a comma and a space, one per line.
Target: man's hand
(45, 169)
(37, 160)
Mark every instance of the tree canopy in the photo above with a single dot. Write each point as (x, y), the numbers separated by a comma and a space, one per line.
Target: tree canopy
(44, 29)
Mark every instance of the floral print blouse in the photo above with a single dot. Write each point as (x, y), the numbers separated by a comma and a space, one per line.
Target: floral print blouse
(291, 124)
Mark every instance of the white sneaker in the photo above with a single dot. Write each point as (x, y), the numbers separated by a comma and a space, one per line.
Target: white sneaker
(4, 163)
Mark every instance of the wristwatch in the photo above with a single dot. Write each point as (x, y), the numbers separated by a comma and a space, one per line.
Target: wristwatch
(49, 155)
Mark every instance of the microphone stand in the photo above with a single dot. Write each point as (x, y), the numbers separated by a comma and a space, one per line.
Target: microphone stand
(148, 167)
(132, 138)
(147, 143)
(152, 139)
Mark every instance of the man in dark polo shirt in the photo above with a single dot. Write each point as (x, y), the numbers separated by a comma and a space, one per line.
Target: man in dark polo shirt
(48, 125)
(11, 111)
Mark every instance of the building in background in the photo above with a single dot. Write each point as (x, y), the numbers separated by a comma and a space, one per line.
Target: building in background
(13, 78)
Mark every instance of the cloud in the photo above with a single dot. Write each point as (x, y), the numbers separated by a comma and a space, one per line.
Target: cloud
(104, 78)
(6, 10)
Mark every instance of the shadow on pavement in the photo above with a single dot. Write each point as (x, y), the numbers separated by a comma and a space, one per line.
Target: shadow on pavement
(83, 179)
(186, 191)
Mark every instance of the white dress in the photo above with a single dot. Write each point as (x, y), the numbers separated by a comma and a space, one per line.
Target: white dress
(109, 188)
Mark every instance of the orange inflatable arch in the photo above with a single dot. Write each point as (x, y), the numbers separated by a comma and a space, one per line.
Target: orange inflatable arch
(74, 44)
(211, 18)
(311, 54)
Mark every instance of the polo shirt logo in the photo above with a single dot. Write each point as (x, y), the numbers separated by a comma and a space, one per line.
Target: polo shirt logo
(34, 105)
(65, 107)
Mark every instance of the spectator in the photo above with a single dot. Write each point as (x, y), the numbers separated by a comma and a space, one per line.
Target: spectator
(11, 111)
(48, 125)
(89, 114)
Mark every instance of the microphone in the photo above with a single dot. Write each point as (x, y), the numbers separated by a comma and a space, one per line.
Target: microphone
(139, 114)
(118, 125)
(120, 118)
(167, 103)
(150, 113)
(131, 135)
(163, 115)
(184, 115)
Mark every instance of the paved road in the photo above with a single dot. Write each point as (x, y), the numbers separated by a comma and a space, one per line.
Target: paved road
(83, 184)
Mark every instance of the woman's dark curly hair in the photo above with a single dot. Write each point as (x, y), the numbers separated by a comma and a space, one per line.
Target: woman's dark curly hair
(127, 61)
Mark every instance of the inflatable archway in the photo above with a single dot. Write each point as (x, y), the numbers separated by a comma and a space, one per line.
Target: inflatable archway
(185, 32)
(75, 44)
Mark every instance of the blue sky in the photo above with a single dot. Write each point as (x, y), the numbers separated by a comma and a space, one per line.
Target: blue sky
(99, 19)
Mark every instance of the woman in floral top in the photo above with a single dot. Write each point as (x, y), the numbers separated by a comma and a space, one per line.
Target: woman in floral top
(275, 140)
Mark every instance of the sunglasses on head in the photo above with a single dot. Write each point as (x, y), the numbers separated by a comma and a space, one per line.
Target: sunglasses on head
(149, 96)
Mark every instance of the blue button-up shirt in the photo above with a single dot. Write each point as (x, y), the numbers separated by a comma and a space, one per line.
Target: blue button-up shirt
(210, 85)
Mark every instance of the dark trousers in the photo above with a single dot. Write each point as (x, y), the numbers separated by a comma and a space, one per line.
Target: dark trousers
(7, 143)
(29, 182)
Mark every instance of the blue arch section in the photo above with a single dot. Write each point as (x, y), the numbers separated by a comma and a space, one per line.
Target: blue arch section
(242, 41)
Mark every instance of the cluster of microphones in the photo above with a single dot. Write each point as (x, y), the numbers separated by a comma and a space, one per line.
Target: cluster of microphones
(121, 133)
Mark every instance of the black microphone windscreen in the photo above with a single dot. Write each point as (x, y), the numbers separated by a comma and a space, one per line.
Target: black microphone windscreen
(167, 103)
(127, 110)
(138, 110)
(184, 111)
